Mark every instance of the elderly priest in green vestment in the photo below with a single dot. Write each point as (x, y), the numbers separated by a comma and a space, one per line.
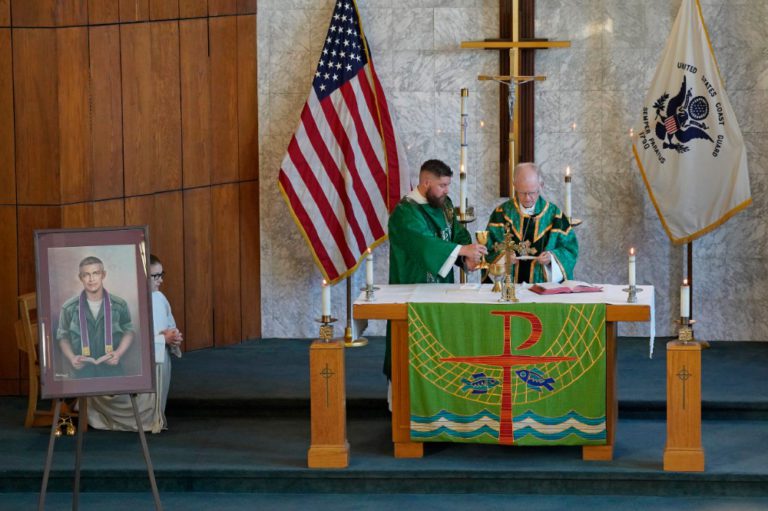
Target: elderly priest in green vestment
(425, 238)
(529, 217)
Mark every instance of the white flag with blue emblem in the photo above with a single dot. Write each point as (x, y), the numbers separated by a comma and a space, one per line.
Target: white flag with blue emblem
(688, 144)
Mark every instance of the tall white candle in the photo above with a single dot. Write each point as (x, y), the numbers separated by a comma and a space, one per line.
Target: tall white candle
(463, 192)
(463, 195)
(568, 192)
(632, 266)
(326, 299)
(685, 299)
(369, 269)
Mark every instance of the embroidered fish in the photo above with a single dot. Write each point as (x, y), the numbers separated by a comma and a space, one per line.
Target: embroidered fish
(535, 379)
(480, 383)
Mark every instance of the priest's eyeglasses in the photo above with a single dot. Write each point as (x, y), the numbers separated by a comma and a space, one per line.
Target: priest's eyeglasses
(157, 276)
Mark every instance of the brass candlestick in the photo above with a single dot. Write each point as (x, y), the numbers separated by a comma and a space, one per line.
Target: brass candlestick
(467, 218)
(508, 291)
(685, 330)
(326, 327)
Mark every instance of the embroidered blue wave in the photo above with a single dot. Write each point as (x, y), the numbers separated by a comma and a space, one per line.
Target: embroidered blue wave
(527, 423)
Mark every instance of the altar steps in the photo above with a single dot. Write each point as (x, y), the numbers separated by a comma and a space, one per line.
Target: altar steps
(239, 433)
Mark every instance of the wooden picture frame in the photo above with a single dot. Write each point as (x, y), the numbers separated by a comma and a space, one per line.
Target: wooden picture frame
(87, 278)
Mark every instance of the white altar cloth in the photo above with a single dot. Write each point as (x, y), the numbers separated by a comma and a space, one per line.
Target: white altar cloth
(481, 293)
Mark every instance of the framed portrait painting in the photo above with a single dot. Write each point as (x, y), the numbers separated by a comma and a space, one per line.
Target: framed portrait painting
(94, 312)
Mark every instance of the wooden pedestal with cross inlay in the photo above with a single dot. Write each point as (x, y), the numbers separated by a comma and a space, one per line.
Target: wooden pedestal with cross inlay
(329, 447)
(683, 452)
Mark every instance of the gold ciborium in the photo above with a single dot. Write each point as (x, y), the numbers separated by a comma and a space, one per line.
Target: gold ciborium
(482, 239)
(497, 271)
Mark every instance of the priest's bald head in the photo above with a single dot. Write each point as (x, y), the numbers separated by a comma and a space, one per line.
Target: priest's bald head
(434, 182)
(528, 183)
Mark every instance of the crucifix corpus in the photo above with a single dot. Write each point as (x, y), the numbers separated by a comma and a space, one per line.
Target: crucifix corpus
(516, 107)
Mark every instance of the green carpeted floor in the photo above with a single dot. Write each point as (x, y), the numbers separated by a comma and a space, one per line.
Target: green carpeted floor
(239, 431)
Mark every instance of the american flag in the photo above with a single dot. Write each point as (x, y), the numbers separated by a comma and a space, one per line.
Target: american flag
(344, 170)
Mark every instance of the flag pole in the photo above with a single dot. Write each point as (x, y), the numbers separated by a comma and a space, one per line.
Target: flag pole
(704, 344)
(349, 342)
(690, 275)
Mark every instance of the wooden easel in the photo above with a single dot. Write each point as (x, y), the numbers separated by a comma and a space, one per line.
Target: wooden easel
(26, 339)
(81, 423)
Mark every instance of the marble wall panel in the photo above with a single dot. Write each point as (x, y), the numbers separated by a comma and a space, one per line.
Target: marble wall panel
(413, 71)
(598, 84)
(577, 21)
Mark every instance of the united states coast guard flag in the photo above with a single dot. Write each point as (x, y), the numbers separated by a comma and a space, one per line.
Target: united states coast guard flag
(688, 144)
(344, 170)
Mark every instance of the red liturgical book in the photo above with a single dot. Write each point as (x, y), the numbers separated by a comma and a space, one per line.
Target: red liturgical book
(566, 286)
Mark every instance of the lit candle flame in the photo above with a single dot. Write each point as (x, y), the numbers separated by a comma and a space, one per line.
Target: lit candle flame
(573, 126)
(631, 133)
(685, 282)
(632, 251)
(482, 124)
(568, 170)
(369, 250)
(325, 283)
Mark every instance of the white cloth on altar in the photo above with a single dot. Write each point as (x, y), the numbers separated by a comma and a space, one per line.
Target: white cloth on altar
(481, 293)
(116, 412)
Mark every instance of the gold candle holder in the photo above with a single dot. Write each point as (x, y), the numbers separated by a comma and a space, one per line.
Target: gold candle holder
(508, 291)
(326, 327)
(468, 217)
(685, 330)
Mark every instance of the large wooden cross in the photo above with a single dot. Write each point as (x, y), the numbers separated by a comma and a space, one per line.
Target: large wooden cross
(516, 31)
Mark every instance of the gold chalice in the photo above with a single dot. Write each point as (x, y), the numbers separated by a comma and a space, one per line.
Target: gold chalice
(482, 239)
(497, 271)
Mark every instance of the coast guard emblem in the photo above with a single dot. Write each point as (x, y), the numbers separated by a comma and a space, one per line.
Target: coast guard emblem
(682, 120)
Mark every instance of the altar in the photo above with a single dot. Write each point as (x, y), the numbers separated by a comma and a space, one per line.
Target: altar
(391, 302)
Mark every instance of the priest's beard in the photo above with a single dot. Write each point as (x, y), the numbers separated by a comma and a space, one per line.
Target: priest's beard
(435, 201)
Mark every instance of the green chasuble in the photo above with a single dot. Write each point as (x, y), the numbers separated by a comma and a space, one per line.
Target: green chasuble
(421, 239)
(548, 230)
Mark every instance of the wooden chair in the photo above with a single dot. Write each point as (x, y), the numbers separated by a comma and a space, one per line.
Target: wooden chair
(26, 340)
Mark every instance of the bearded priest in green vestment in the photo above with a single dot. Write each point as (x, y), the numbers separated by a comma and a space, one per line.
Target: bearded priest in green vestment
(529, 217)
(426, 239)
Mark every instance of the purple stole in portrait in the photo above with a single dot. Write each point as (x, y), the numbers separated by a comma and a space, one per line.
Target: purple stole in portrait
(84, 340)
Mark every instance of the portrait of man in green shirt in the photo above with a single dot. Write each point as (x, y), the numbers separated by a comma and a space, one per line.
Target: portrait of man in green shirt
(95, 330)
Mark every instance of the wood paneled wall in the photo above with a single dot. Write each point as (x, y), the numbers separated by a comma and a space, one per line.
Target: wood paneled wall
(131, 112)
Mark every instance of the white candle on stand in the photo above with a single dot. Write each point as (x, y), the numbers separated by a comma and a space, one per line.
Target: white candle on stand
(462, 191)
(463, 195)
(568, 192)
(685, 299)
(632, 266)
(369, 269)
(326, 299)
